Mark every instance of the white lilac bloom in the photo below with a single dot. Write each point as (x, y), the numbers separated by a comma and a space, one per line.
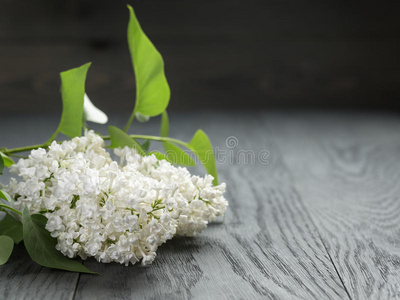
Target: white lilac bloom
(92, 113)
(113, 212)
(198, 201)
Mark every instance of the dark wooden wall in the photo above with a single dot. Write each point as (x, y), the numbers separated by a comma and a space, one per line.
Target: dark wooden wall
(218, 54)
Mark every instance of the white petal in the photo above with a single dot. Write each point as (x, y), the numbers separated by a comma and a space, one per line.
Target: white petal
(92, 113)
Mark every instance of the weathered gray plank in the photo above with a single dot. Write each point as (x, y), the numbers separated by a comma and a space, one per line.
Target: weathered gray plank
(346, 169)
(21, 278)
(267, 247)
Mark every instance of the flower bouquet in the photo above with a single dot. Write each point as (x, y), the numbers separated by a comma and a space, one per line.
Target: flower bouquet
(71, 199)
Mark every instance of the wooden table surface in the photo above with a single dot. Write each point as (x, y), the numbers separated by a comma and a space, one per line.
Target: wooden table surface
(314, 213)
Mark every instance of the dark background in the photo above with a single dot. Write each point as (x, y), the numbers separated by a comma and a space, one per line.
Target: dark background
(286, 54)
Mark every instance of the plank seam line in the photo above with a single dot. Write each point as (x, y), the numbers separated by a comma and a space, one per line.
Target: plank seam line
(333, 263)
(319, 234)
(284, 165)
(76, 286)
(317, 229)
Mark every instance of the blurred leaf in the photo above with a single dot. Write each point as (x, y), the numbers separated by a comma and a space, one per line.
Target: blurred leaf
(72, 92)
(152, 89)
(201, 144)
(42, 247)
(159, 155)
(146, 145)
(91, 113)
(164, 131)
(8, 161)
(1, 164)
(120, 139)
(4, 195)
(142, 118)
(6, 248)
(177, 155)
(11, 228)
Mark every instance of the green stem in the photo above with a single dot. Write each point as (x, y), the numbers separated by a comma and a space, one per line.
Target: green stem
(23, 149)
(130, 121)
(155, 138)
(28, 148)
(53, 137)
(11, 208)
(106, 137)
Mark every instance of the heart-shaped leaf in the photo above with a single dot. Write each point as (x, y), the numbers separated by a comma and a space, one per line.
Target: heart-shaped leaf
(152, 89)
(177, 155)
(72, 92)
(146, 145)
(11, 228)
(42, 247)
(5, 196)
(6, 248)
(120, 139)
(201, 145)
(159, 155)
(8, 161)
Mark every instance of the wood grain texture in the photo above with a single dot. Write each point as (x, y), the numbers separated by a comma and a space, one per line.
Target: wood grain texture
(23, 279)
(316, 217)
(346, 169)
(267, 248)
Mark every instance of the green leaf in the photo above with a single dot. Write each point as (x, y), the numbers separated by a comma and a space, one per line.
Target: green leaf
(142, 118)
(164, 131)
(1, 164)
(4, 195)
(42, 247)
(72, 92)
(12, 228)
(176, 155)
(159, 155)
(146, 145)
(152, 89)
(201, 145)
(120, 139)
(6, 248)
(5, 161)
(8, 161)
